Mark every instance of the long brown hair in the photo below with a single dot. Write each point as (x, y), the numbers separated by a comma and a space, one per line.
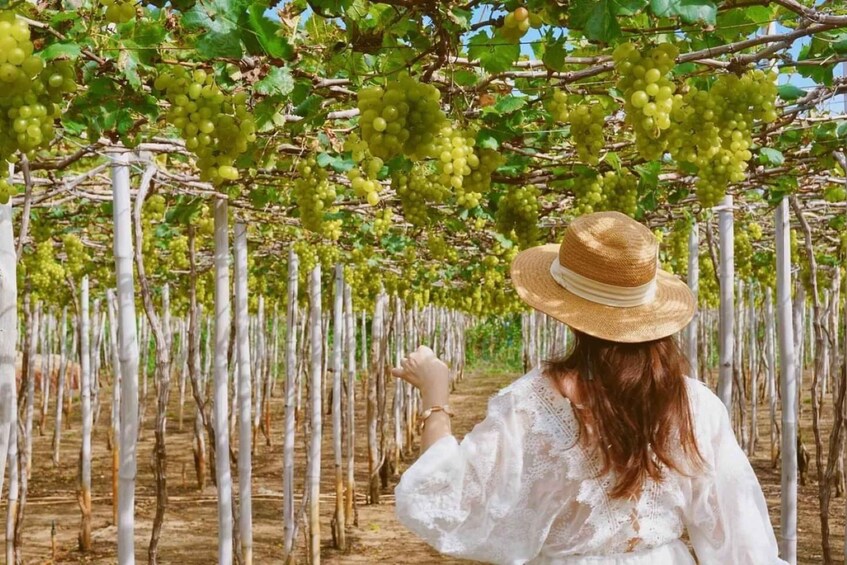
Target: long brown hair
(635, 399)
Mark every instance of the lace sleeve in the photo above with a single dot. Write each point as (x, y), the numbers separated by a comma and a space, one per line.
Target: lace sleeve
(459, 496)
(726, 517)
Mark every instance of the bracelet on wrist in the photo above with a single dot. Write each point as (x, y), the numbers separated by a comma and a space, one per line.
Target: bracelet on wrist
(432, 410)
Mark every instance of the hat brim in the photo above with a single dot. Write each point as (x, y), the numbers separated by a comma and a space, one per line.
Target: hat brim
(670, 311)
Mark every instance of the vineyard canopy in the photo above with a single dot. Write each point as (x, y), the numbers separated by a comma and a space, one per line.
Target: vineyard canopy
(422, 143)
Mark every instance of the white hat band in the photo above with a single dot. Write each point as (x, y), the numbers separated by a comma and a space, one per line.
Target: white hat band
(602, 293)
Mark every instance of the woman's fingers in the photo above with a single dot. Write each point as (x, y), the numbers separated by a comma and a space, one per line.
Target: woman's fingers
(408, 376)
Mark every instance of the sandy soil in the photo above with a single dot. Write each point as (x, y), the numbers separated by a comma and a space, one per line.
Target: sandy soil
(190, 530)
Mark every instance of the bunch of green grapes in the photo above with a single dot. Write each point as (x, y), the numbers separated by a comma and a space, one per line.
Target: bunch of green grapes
(363, 179)
(216, 126)
(763, 268)
(76, 255)
(382, 222)
(620, 192)
(557, 105)
(587, 121)
(517, 215)
(314, 195)
(708, 290)
(364, 276)
(119, 11)
(29, 97)
(588, 194)
(677, 247)
(416, 190)
(178, 248)
(45, 273)
(440, 249)
(714, 129)
(454, 153)
(6, 191)
(743, 253)
(516, 24)
(648, 93)
(755, 230)
(482, 164)
(402, 118)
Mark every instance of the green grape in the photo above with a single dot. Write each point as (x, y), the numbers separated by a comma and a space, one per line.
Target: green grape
(587, 121)
(516, 24)
(119, 11)
(648, 94)
(402, 118)
(217, 126)
(557, 105)
(6, 191)
(620, 192)
(517, 215)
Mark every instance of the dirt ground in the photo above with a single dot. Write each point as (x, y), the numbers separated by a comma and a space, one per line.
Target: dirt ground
(190, 530)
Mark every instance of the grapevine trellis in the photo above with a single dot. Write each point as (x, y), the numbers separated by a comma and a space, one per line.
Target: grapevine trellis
(381, 163)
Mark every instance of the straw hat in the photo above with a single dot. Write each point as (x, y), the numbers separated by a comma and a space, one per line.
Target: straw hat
(604, 280)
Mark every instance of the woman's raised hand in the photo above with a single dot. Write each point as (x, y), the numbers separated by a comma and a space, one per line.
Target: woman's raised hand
(422, 369)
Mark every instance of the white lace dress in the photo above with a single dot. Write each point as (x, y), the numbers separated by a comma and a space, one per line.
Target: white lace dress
(519, 489)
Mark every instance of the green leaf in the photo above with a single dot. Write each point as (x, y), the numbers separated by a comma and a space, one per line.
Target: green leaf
(554, 55)
(690, 11)
(494, 56)
(841, 130)
(649, 173)
(630, 7)
(596, 19)
(510, 103)
(64, 50)
(278, 81)
(214, 44)
(614, 160)
(771, 156)
(265, 32)
(790, 92)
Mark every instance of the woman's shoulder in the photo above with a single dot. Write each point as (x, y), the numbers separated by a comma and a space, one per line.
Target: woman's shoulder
(535, 398)
(706, 408)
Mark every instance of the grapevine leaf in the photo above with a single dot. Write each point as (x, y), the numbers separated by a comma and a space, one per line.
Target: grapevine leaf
(839, 44)
(62, 49)
(214, 44)
(630, 7)
(690, 11)
(494, 57)
(614, 160)
(508, 104)
(554, 55)
(504, 241)
(841, 130)
(596, 19)
(790, 92)
(278, 81)
(265, 32)
(771, 156)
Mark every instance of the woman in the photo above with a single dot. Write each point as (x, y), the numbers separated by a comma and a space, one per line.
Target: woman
(606, 455)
